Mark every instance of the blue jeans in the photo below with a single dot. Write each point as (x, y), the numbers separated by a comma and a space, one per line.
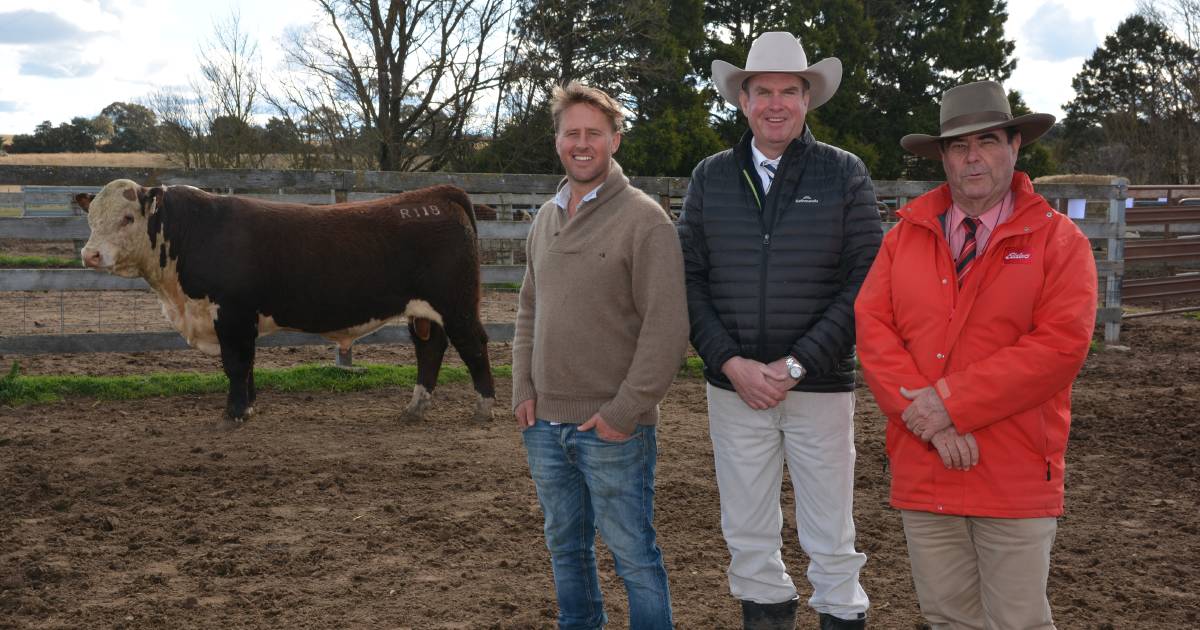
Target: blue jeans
(584, 483)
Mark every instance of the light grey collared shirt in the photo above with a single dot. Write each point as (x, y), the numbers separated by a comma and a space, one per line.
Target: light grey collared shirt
(759, 158)
(563, 198)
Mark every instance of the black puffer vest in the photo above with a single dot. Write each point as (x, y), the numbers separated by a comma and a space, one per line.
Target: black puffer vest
(777, 273)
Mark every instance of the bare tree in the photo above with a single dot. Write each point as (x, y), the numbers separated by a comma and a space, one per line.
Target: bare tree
(210, 123)
(229, 68)
(327, 120)
(181, 128)
(413, 70)
(228, 90)
(1181, 16)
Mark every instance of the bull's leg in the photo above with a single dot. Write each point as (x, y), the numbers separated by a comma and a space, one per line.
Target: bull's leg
(470, 339)
(237, 358)
(429, 339)
(251, 392)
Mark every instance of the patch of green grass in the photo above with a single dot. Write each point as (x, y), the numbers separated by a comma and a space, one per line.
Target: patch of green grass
(1194, 315)
(36, 262)
(692, 367)
(511, 286)
(16, 389)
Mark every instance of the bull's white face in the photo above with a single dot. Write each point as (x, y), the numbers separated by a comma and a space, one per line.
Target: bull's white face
(119, 242)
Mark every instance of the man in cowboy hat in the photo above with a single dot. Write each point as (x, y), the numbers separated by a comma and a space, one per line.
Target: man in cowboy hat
(778, 234)
(972, 324)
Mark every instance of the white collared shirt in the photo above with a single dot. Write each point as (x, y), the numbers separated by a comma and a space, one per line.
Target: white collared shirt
(563, 198)
(759, 158)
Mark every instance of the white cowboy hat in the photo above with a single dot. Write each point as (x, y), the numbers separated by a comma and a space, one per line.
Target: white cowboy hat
(777, 51)
(975, 108)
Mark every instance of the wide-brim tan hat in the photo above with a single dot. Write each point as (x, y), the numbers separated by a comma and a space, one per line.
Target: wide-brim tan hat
(975, 108)
(778, 51)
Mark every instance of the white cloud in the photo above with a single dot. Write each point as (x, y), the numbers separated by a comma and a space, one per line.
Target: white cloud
(57, 62)
(1053, 40)
(118, 50)
(30, 26)
(1057, 35)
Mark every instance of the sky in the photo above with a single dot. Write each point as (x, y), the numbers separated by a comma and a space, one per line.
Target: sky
(65, 58)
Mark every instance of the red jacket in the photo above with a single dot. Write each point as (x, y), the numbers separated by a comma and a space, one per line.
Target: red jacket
(1002, 352)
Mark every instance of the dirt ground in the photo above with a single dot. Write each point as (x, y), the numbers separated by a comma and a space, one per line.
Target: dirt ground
(325, 511)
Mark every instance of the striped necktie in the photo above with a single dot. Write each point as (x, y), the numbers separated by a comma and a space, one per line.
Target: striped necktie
(966, 257)
(770, 174)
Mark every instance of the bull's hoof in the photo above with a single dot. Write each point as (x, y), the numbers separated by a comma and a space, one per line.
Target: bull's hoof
(483, 410)
(231, 421)
(230, 424)
(415, 412)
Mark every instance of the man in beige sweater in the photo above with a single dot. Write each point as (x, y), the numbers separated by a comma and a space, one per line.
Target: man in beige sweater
(601, 329)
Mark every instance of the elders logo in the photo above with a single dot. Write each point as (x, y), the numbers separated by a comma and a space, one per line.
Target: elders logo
(1017, 256)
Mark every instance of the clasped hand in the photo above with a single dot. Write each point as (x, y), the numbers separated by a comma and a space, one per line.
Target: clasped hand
(928, 419)
(760, 385)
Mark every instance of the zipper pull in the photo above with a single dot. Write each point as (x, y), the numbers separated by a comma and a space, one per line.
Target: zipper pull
(766, 240)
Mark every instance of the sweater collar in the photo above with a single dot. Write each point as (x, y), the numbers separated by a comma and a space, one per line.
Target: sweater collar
(613, 184)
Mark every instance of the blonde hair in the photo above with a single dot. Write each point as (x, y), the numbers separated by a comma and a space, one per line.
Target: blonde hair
(575, 93)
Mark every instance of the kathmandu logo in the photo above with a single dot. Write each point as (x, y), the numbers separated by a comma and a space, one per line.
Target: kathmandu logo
(1017, 256)
(807, 199)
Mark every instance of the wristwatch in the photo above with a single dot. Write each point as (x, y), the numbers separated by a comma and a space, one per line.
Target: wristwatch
(795, 370)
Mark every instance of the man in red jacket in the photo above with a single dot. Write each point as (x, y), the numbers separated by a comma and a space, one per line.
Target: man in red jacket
(972, 324)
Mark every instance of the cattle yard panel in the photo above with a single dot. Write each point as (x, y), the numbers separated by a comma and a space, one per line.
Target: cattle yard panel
(506, 193)
(1164, 237)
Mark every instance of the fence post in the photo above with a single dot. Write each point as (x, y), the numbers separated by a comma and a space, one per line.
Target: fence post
(1116, 254)
(345, 358)
(504, 208)
(504, 212)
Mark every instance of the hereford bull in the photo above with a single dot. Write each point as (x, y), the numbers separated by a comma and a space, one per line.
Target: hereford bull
(229, 269)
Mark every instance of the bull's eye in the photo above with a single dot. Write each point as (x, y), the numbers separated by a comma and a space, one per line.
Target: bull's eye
(126, 220)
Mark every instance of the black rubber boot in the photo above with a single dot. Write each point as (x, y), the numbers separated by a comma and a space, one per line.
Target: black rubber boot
(781, 616)
(829, 622)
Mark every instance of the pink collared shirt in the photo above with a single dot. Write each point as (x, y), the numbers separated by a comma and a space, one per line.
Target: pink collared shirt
(957, 235)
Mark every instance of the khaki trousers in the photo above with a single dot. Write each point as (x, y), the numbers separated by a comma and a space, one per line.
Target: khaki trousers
(976, 573)
(814, 434)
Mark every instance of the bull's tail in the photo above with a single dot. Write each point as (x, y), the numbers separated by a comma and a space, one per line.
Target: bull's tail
(460, 197)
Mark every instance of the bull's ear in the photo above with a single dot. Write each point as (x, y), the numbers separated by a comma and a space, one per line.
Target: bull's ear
(148, 196)
(84, 200)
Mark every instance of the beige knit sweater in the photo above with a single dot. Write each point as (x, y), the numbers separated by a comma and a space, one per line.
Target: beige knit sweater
(602, 323)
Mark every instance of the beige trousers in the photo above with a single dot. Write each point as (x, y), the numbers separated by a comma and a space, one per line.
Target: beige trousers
(976, 573)
(814, 434)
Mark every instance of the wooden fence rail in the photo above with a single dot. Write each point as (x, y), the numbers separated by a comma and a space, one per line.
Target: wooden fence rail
(505, 192)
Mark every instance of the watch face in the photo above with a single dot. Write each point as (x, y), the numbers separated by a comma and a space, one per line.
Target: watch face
(795, 370)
